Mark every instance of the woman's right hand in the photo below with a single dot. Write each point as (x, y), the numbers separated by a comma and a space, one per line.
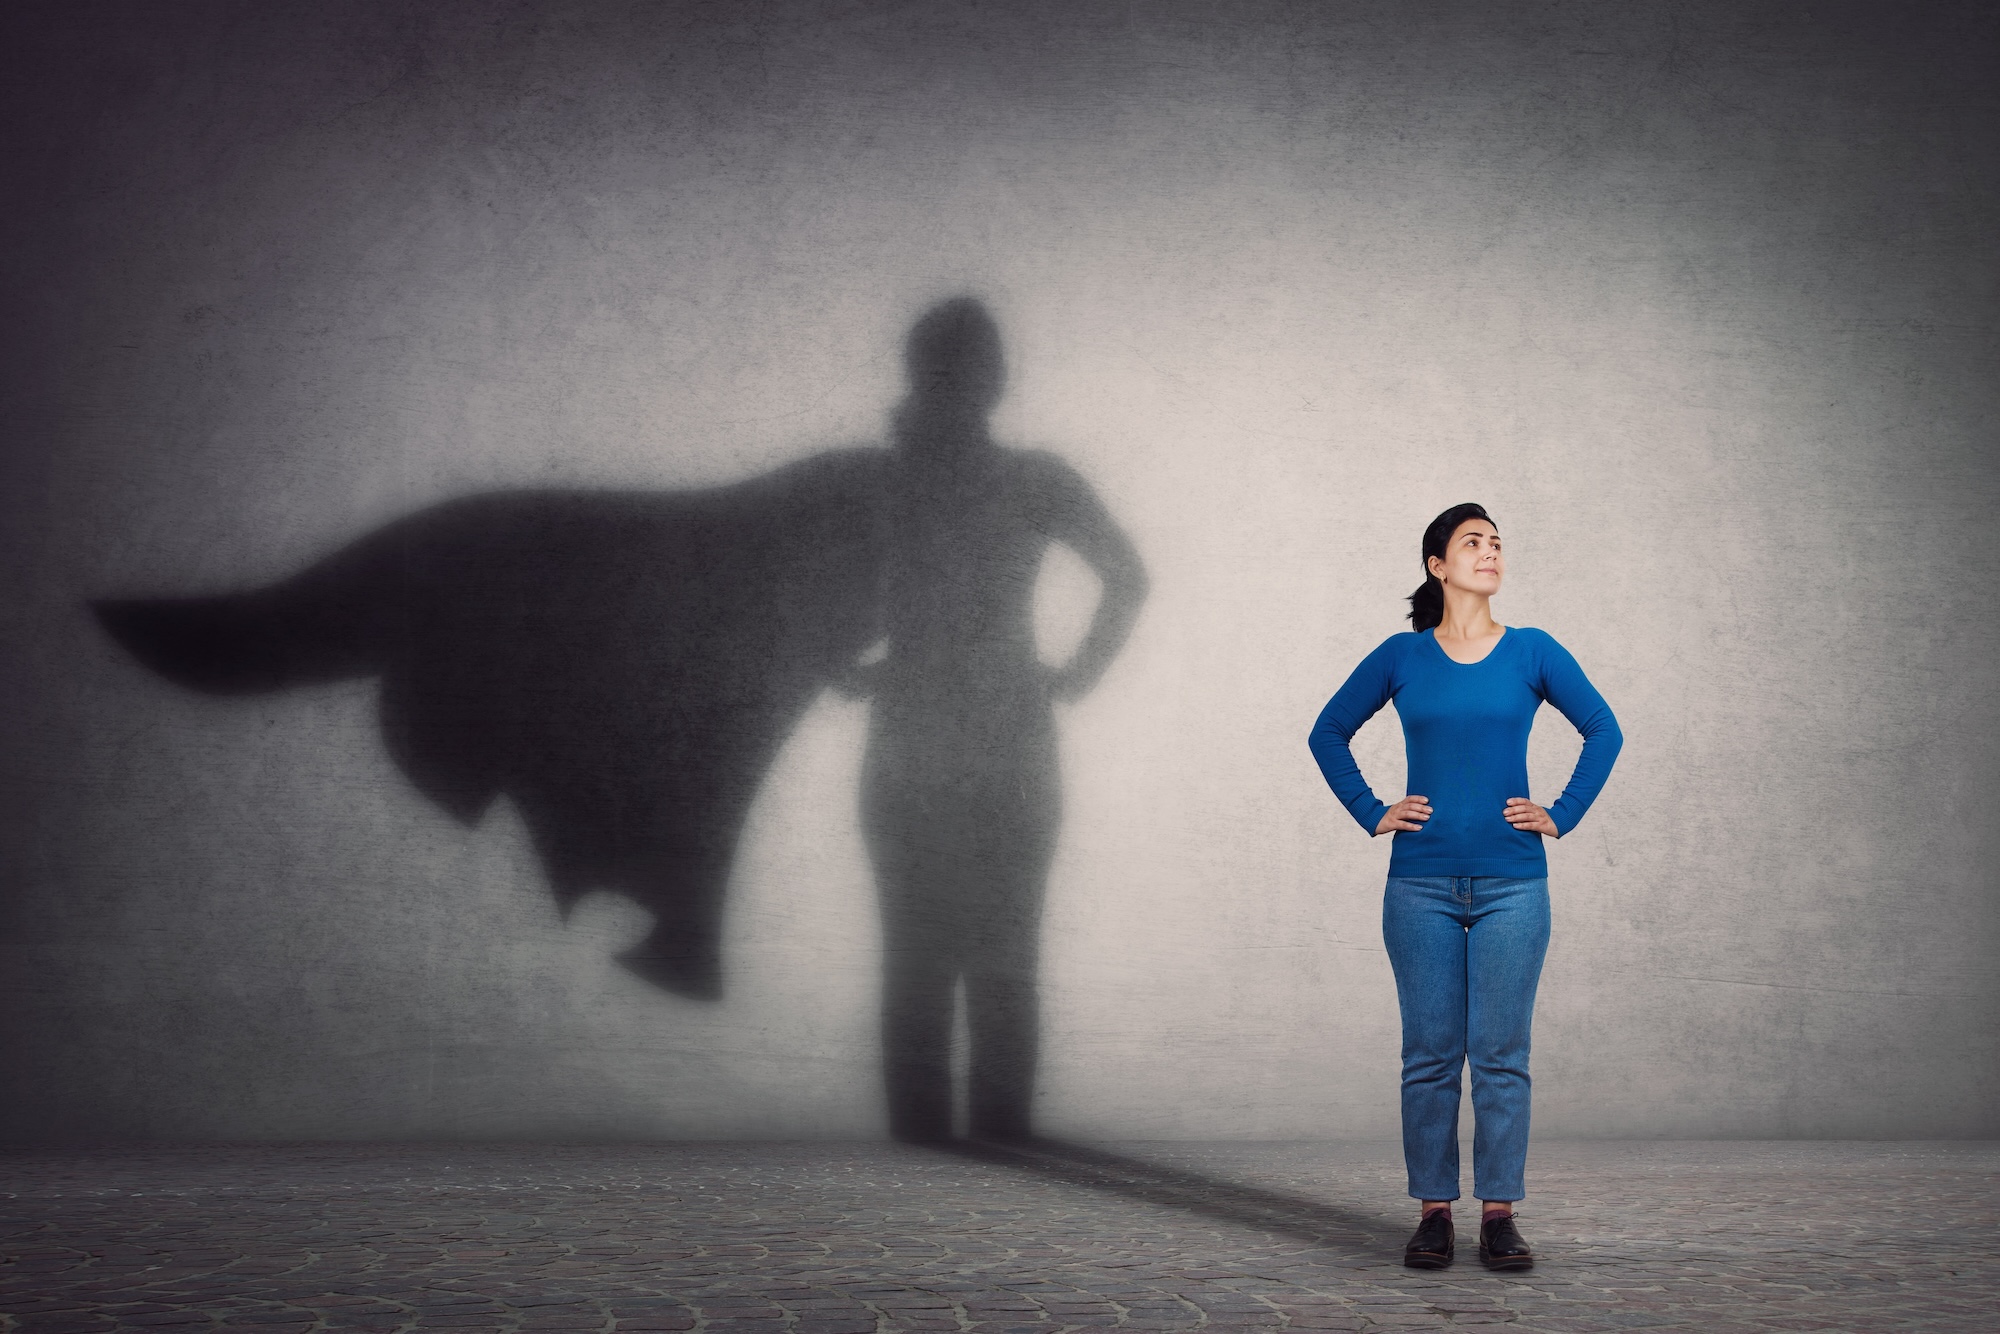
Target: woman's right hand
(1406, 816)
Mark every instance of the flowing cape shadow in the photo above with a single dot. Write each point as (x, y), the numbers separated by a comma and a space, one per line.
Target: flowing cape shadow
(623, 665)
(1193, 1192)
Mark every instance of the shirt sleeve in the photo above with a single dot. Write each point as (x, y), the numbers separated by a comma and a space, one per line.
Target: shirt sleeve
(1564, 685)
(1367, 689)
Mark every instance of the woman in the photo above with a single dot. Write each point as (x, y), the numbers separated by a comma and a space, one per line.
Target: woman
(1466, 911)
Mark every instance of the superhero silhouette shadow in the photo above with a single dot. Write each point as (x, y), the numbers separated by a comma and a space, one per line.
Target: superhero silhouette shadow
(625, 666)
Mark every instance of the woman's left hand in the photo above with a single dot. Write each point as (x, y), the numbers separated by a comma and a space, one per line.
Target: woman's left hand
(1526, 816)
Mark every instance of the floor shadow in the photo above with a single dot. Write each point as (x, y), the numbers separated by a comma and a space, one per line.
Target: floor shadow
(626, 665)
(1192, 1192)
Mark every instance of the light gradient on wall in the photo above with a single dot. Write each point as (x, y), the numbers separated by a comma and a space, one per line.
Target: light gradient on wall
(1697, 300)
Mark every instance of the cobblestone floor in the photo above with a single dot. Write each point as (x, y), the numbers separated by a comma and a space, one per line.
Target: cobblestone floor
(839, 1239)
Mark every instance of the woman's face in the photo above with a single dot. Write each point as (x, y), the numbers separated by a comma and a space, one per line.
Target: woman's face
(1472, 559)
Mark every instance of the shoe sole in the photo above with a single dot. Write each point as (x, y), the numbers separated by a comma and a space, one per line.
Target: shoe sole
(1426, 1260)
(1507, 1261)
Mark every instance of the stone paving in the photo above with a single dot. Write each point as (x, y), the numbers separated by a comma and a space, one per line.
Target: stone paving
(846, 1238)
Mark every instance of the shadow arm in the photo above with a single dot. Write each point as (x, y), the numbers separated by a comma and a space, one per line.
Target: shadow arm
(1082, 523)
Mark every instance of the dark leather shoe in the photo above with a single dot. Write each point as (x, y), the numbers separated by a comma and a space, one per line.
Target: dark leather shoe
(1500, 1244)
(1431, 1245)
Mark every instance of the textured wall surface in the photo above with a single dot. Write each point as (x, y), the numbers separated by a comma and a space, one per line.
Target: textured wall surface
(1698, 300)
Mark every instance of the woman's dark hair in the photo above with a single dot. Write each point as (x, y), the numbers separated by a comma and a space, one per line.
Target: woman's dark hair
(1427, 603)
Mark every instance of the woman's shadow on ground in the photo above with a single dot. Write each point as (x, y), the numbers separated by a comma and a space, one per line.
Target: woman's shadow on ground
(1192, 1192)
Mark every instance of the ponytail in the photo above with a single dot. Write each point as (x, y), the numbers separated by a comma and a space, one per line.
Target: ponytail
(1427, 603)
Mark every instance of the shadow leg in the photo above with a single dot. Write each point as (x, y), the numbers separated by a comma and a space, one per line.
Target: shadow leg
(916, 1045)
(1003, 1020)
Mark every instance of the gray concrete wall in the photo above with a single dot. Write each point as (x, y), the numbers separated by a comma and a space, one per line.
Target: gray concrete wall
(1697, 300)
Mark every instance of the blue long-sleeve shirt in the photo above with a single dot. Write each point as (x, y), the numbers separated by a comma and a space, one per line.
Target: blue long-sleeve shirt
(1465, 730)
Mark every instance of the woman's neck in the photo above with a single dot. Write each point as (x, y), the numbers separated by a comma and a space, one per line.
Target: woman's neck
(1466, 616)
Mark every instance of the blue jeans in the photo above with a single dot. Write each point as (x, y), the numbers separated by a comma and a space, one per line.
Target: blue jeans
(1467, 951)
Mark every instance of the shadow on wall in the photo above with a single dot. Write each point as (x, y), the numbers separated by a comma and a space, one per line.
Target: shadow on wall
(626, 665)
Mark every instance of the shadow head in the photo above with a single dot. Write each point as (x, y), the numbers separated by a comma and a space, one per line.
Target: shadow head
(953, 361)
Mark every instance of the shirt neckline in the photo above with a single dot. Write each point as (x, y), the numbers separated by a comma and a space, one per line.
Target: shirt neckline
(1431, 635)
